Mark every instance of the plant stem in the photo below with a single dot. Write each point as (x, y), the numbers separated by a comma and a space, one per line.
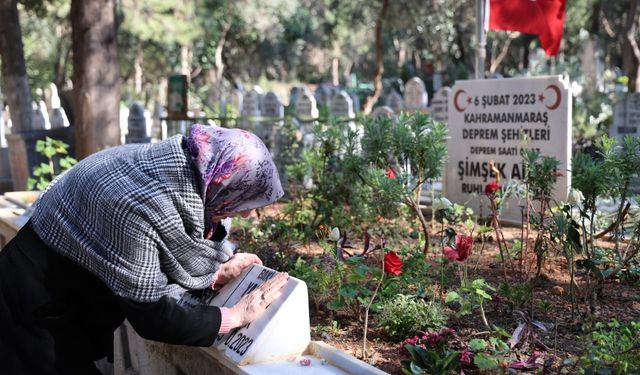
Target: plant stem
(484, 317)
(366, 313)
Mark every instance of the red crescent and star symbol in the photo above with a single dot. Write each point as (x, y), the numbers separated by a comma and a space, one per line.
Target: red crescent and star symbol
(552, 99)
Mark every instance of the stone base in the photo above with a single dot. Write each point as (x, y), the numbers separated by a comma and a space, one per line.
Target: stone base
(23, 156)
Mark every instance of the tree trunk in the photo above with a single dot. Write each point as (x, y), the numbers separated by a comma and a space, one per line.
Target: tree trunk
(14, 70)
(377, 77)
(96, 75)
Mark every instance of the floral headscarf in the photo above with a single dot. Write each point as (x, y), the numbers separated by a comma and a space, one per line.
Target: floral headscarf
(236, 171)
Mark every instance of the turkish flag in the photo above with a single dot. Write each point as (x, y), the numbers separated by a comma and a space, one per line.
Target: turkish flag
(544, 18)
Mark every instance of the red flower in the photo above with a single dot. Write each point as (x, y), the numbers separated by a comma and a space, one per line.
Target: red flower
(491, 188)
(390, 173)
(464, 245)
(466, 356)
(392, 263)
(557, 174)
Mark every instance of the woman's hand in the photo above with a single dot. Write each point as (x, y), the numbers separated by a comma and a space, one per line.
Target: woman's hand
(234, 266)
(252, 305)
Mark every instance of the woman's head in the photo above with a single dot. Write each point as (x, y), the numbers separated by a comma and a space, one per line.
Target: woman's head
(237, 173)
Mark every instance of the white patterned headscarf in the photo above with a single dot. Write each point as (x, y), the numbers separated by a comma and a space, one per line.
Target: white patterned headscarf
(236, 171)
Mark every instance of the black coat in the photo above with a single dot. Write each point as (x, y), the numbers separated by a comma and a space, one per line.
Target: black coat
(58, 318)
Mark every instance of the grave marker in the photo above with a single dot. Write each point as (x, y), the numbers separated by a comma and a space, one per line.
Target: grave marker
(137, 125)
(250, 109)
(236, 100)
(306, 111)
(382, 111)
(395, 102)
(271, 107)
(281, 332)
(39, 120)
(342, 106)
(440, 104)
(415, 95)
(177, 100)
(626, 117)
(487, 121)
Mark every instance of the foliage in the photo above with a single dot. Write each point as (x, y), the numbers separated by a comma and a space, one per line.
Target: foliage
(55, 151)
(489, 354)
(614, 348)
(404, 315)
(413, 148)
(430, 354)
(471, 295)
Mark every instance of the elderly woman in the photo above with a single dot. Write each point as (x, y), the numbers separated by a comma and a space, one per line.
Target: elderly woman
(123, 234)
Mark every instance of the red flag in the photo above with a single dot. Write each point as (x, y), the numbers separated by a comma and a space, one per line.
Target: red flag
(544, 18)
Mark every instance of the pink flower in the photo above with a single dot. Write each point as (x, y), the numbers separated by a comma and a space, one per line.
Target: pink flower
(462, 250)
(411, 340)
(465, 356)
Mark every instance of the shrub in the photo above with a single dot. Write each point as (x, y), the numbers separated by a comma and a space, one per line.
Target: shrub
(404, 315)
(613, 349)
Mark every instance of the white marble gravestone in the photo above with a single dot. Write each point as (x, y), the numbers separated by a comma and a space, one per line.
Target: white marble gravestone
(626, 117)
(273, 109)
(415, 95)
(280, 333)
(395, 102)
(489, 119)
(440, 104)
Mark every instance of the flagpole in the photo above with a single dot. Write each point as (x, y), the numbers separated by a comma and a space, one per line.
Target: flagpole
(481, 39)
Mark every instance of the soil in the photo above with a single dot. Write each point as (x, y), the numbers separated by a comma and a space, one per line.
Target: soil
(620, 299)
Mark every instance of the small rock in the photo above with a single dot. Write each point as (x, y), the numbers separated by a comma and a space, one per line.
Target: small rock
(557, 290)
(636, 306)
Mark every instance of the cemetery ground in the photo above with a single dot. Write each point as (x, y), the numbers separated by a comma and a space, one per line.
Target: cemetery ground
(528, 323)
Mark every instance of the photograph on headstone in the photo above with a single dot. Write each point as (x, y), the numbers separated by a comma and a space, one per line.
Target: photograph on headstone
(493, 120)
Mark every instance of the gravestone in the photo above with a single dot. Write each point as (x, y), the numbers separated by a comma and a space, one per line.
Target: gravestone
(382, 111)
(626, 122)
(236, 99)
(273, 109)
(280, 333)
(323, 94)
(137, 125)
(177, 97)
(356, 102)
(415, 95)
(157, 131)
(490, 120)
(250, 110)
(294, 93)
(395, 102)
(39, 120)
(440, 104)
(626, 117)
(58, 118)
(341, 106)
(306, 113)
